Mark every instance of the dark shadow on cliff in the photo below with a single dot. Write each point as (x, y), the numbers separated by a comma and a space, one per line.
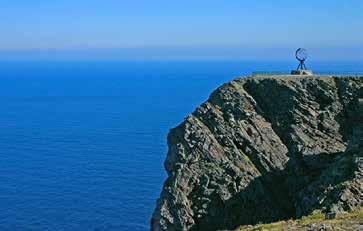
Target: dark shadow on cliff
(281, 195)
(351, 113)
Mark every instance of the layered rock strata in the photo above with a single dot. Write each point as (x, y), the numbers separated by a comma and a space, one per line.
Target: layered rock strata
(263, 149)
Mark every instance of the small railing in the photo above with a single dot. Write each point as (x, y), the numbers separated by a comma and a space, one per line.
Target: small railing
(269, 73)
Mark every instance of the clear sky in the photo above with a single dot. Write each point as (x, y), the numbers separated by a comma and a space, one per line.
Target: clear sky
(247, 25)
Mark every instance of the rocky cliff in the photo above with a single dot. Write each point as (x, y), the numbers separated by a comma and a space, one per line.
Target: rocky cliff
(264, 149)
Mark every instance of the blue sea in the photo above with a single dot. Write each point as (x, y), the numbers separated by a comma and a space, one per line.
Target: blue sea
(82, 143)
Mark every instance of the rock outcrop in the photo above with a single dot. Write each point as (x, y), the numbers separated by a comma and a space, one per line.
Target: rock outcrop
(263, 149)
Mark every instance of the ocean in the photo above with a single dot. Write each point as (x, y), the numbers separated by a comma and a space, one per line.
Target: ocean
(82, 143)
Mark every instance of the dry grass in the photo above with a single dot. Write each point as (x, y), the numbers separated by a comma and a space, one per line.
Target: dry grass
(346, 221)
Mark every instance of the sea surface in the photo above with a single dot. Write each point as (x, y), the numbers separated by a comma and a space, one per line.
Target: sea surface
(82, 144)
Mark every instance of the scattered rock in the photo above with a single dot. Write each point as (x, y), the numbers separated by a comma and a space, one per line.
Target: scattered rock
(330, 215)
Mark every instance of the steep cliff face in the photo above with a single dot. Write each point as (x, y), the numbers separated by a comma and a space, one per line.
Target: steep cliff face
(264, 149)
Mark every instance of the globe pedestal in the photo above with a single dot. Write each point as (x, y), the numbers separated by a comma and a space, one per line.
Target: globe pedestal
(302, 72)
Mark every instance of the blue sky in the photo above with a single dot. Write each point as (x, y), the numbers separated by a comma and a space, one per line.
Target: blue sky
(207, 27)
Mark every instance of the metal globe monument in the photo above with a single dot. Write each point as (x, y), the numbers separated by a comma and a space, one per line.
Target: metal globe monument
(301, 55)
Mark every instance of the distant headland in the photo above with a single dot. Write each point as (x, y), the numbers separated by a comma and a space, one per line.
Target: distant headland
(265, 149)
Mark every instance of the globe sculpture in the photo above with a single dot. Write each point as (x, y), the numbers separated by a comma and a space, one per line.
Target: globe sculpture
(301, 54)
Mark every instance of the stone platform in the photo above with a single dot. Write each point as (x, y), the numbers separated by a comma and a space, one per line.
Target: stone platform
(301, 72)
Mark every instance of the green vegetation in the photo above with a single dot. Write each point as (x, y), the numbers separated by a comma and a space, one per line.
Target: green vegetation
(316, 221)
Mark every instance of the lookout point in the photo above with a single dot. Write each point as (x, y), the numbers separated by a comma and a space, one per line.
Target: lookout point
(301, 55)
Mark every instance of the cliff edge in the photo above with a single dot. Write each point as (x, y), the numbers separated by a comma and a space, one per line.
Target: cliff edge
(263, 149)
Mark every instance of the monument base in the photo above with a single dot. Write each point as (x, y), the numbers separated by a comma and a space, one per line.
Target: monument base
(302, 72)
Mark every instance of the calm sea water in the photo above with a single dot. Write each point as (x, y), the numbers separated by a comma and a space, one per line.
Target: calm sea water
(82, 144)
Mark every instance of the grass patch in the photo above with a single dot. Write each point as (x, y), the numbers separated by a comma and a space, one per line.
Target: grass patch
(343, 221)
